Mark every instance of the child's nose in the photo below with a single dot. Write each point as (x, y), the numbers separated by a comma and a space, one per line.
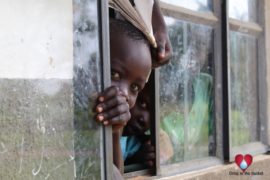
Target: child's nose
(142, 121)
(124, 92)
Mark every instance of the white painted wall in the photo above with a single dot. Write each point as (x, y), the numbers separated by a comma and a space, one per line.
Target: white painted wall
(36, 39)
(267, 36)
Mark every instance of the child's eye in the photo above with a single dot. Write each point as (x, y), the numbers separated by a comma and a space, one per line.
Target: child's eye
(135, 88)
(115, 75)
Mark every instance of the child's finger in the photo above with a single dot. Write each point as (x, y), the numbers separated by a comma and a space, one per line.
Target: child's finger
(108, 94)
(150, 156)
(161, 51)
(168, 50)
(120, 119)
(109, 104)
(149, 163)
(149, 148)
(113, 112)
(164, 50)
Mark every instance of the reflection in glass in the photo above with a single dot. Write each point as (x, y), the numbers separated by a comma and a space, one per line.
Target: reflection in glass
(243, 89)
(196, 5)
(186, 94)
(244, 10)
(87, 82)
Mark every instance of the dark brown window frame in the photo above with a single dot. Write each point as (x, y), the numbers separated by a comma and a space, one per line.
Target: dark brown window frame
(221, 23)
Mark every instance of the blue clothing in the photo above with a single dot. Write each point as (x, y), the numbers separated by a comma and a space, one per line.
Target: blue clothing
(129, 146)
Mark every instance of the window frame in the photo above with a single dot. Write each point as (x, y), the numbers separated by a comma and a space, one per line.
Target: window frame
(103, 73)
(257, 30)
(211, 20)
(106, 134)
(221, 24)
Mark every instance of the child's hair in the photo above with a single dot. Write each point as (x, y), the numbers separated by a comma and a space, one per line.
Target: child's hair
(117, 25)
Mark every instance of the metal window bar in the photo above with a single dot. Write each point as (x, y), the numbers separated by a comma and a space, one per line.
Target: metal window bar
(105, 58)
(225, 67)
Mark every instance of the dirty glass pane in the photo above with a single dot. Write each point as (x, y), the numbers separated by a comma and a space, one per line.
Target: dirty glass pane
(196, 5)
(87, 82)
(243, 89)
(186, 94)
(244, 10)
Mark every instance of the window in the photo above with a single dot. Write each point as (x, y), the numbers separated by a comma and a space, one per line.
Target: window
(188, 108)
(87, 60)
(91, 74)
(196, 5)
(245, 79)
(210, 101)
(214, 80)
(186, 92)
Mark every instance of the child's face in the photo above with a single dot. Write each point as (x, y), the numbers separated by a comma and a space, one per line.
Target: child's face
(130, 65)
(140, 115)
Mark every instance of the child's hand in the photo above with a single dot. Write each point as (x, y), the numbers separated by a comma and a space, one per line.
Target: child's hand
(112, 108)
(145, 155)
(148, 154)
(163, 52)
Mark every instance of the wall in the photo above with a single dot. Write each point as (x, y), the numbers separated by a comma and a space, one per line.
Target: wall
(36, 39)
(267, 36)
(36, 109)
(49, 65)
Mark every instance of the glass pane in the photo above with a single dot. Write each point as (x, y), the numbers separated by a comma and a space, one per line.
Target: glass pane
(244, 10)
(87, 82)
(196, 5)
(186, 94)
(243, 89)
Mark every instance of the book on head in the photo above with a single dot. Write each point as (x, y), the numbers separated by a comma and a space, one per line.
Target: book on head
(139, 13)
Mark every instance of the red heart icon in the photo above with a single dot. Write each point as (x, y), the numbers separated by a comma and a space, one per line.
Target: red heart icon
(243, 162)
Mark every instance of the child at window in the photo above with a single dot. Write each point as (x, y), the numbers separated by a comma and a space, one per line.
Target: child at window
(135, 145)
(130, 69)
(163, 52)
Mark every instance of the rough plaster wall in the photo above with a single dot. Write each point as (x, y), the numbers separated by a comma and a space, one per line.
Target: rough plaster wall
(267, 35)
(36, 129)
(36, 90)
(36, 39)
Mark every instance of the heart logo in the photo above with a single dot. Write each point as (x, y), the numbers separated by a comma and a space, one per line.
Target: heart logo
(243, 162)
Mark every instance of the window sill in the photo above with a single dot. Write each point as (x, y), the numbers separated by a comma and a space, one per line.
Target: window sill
(260, 164)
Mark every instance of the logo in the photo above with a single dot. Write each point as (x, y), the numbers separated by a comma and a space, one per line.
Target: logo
(243, 162)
